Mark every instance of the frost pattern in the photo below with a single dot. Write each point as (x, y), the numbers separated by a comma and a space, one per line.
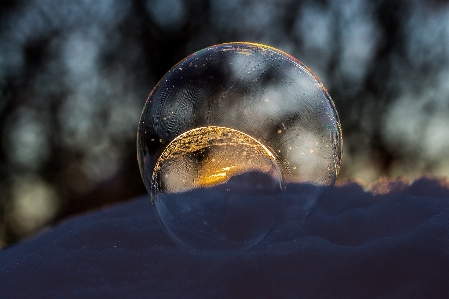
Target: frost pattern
(252, 89)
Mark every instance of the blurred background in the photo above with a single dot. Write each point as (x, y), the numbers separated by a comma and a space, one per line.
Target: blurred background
(74, 76)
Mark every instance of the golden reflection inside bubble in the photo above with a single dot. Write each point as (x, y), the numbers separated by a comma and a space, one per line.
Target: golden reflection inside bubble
(208, 156)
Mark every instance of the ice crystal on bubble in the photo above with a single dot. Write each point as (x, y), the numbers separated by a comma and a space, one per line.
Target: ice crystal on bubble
(225, 134)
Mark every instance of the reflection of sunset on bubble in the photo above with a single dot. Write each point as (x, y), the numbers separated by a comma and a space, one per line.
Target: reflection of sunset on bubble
(208, 156)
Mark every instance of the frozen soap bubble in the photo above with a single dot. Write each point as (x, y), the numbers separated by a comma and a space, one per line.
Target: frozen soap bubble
(227, 135)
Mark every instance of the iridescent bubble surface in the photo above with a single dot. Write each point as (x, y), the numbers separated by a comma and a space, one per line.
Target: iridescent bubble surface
(226, 134)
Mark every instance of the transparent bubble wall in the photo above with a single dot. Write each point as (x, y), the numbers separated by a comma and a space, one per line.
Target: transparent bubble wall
(227, 135)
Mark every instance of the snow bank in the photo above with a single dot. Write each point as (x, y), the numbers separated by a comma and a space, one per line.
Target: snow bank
(393, 243)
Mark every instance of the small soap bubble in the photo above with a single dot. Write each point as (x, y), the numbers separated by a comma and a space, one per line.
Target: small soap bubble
(241, 127)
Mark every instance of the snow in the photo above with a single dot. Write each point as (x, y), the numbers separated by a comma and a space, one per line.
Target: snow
(393, 243)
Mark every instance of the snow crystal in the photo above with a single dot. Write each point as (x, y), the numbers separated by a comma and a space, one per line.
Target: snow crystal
(357, 244)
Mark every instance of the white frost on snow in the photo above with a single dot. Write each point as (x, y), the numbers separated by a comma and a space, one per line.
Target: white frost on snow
(393, 243)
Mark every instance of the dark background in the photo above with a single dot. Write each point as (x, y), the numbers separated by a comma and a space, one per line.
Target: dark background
(74, 76)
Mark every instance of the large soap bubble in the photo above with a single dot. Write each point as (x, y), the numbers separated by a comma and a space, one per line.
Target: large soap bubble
(226, 135)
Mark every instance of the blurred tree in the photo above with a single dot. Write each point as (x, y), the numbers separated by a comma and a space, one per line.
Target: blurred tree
(74, 78)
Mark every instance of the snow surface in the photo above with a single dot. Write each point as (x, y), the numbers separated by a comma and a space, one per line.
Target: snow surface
(357, 244)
